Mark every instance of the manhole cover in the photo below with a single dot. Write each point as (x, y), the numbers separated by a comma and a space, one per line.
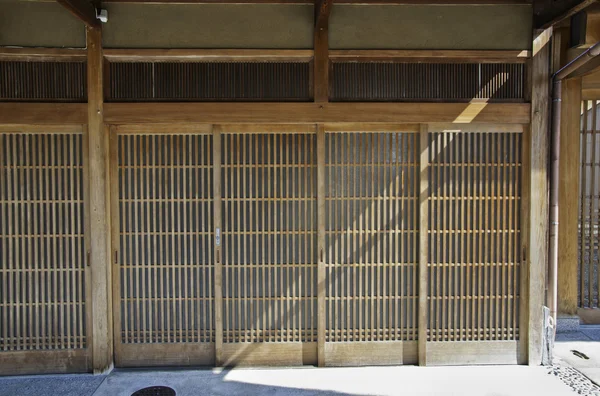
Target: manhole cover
(155, 391)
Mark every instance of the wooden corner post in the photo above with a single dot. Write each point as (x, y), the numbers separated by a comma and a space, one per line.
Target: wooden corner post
(99, 213)
(535, 261)
(568, 219)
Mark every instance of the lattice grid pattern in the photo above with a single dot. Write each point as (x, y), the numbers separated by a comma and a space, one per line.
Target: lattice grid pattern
(269, 237)
(372, 238)
(166, 246)
(474, 236)
(42, 250)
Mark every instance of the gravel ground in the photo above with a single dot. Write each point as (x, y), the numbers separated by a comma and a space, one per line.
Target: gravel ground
(575, 380)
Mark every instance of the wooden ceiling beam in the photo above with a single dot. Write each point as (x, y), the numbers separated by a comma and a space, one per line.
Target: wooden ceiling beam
(83, 10)
(354, 2)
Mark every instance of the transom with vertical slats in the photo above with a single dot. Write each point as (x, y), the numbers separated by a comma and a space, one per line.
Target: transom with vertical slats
(209, 81)
(43, 81)
(460, 82)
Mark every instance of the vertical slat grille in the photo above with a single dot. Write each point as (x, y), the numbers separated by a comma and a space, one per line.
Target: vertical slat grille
(166, 254)
(215, 81)
(385, 81)
(269, 237)
(589, 207)
(474, 223)
(371, 236)
(42, 252)
(43, 81)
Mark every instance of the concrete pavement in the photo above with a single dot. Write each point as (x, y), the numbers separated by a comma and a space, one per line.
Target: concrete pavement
(405, 381)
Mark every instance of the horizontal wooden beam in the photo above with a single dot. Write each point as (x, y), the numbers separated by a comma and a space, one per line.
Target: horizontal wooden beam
(43, 113)
(82, 9)
(206, 55)
(433, 56)
(43, 54)
(149, 113)
(355, 2)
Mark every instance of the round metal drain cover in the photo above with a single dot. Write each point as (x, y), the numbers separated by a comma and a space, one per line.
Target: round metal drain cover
(155, 391)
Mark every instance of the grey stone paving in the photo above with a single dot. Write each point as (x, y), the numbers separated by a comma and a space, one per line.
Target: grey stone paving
(59, 385)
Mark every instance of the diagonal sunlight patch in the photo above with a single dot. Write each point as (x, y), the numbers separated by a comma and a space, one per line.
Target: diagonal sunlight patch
(475, 106)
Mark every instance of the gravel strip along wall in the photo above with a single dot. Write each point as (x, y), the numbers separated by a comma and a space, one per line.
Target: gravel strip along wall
(574, 379)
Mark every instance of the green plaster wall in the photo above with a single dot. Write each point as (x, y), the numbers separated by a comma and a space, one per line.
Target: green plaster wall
(209, 26)
(39, 24)
(469, 27)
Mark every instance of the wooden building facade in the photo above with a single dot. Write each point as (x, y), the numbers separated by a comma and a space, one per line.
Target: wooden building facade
(272, 183)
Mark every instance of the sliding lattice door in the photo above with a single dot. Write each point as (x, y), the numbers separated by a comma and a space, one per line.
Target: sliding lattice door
(163, 235)
(269, 245)
(473, 247)
(43, 277)
(371, 247)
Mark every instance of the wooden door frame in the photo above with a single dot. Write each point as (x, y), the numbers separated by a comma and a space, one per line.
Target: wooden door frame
(146, 354)
(59, 360)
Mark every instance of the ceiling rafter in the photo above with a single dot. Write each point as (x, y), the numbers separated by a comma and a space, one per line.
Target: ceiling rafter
(83, 10)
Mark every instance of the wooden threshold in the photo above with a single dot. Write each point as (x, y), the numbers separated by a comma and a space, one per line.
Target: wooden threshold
(206, 55)
(44, 362)
(370, 353)
(43, 54)
(472, 352)
(148, 113)
(269, 354)
(152, 355)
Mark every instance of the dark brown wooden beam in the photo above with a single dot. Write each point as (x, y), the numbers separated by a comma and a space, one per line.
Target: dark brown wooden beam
(556, 19)
(356, 2)
(82, 9)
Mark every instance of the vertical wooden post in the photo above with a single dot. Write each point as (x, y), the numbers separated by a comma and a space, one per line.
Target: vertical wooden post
(568, 189)
(217, 245)
(321, 51)
(423, 241)
(321, 245)
(536, 260)
(99, 213)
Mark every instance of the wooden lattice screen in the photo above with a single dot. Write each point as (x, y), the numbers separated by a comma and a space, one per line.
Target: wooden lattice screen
(304, 244)
(371, 246)
(42, 250)
(269, 246)
(589, 207)
(474, 244)
(165, 261)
